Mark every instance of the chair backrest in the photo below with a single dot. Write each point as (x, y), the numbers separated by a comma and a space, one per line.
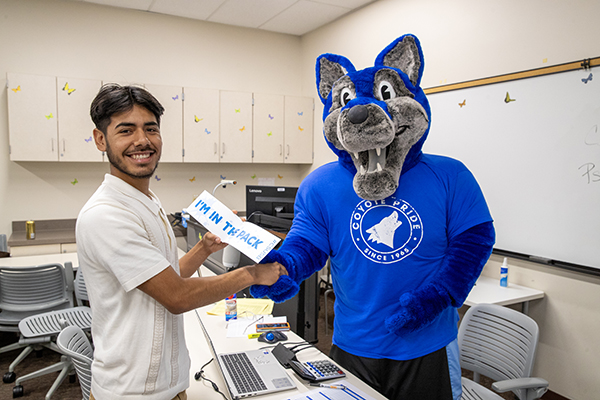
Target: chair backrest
(36, 289)
(498, 342)
(80, 288)
(73, 342)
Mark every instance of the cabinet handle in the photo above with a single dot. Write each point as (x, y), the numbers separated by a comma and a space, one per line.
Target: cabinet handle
(280, 149)
(223, 145)
(64, 148)
(52, 140)
(215, 147)
(288, 149)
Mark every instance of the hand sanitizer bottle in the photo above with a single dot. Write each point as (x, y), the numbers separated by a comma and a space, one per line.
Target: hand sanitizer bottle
(231, 307)
(504, 273)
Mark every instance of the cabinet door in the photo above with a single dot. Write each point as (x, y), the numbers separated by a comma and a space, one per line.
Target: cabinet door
(236, 127)
(171, 122)
(268, 128)
(32, 126)
(298, 138)
(75, 126)
(201, 125)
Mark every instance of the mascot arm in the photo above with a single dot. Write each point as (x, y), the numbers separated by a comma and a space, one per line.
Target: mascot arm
(466, 255)
(300, 258)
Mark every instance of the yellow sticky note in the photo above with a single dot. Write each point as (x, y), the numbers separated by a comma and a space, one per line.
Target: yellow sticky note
(253, 306)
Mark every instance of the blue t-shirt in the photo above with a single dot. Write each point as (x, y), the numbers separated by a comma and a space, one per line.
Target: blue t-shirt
(382, 249)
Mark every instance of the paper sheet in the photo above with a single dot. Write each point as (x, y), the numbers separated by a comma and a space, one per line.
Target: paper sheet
(250, 239)
(350, 393)
(245, 306)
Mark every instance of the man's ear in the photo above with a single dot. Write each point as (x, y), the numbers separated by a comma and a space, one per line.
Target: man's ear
(330, 68)
(100, 140)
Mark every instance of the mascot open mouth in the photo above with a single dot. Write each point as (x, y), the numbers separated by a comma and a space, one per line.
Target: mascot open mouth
(374, 160)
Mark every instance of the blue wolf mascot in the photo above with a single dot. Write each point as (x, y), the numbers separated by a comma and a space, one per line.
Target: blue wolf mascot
(407, 233)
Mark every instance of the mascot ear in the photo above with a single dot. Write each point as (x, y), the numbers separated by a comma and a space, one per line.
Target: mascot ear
(404, 54)
(330, 68)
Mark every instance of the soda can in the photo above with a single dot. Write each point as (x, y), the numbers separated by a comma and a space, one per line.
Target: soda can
(30, 230)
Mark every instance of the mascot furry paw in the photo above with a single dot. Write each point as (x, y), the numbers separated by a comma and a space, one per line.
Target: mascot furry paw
(407, 233)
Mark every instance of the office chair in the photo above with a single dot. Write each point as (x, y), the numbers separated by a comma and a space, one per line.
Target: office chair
(73, 342)
(499, 343)
(27, 291)
(43, 328)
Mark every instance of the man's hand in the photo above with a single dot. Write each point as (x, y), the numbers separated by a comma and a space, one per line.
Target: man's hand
(212, 243)
(266, 274)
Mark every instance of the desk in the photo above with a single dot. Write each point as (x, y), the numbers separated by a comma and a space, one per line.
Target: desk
(28, 261)
(488, 290)
(216, 327)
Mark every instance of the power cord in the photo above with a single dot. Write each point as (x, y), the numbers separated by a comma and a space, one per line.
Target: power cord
(200, 375)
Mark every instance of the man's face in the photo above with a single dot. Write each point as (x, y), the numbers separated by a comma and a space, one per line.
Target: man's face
(132, 143)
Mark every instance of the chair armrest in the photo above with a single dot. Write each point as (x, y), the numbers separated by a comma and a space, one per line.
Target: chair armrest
(520, 383)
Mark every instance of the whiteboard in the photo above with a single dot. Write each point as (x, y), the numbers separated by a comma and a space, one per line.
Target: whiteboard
(536, 156)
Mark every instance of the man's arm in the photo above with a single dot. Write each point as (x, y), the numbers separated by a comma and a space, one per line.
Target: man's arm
(178, 294)
(193, 259)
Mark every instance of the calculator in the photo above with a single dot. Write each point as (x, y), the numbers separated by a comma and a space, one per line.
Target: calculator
(317, 371)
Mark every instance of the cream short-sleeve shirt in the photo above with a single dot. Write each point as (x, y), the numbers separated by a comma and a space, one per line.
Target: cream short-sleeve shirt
(123, 239)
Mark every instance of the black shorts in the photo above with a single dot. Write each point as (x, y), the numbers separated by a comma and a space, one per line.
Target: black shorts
(423, 378)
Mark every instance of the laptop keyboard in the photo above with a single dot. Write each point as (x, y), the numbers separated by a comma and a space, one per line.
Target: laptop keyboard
(244, 376)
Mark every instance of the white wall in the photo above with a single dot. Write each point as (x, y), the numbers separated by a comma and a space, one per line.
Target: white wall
(464, 40)
(83, 40)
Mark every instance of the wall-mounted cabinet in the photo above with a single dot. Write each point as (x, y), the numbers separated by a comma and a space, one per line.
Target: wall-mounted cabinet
(75, 127)
(201, 125)
(268, 128)
(298, 140)
(32, 116)
(49, 118)
(236, 127)
(49, 121)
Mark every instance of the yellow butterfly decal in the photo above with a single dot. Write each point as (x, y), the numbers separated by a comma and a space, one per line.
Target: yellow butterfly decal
(243, 128)
(464, 103)
(74, 182)
(67, 89)
(253, 176)
(270, 134)
(196, 119)
(507, 99)
(49, 116)
(193, 179)
(279, 176)
(18, 89)
(300, 128)
(237, 110)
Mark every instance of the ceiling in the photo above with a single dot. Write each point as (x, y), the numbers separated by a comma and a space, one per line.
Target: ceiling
(294, 17)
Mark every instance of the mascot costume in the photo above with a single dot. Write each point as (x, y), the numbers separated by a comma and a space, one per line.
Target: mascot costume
(407, 233)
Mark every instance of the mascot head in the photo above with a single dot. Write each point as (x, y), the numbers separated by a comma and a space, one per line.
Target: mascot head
(375, 119)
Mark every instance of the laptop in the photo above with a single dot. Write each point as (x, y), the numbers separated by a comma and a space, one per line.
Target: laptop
(249, 373)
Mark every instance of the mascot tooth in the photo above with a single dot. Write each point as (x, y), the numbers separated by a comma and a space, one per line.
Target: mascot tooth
(407, 233)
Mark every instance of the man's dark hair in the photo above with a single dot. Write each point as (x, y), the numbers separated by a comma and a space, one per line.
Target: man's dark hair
(114, 99)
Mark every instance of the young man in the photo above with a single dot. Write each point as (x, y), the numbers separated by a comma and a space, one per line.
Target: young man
(127, 251)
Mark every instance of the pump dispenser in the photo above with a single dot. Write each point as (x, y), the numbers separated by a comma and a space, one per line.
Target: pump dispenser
(504, 273)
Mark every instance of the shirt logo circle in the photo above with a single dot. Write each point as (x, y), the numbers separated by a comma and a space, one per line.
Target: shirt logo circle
(386, 231)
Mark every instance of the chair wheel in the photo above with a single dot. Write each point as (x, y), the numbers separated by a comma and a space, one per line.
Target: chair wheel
(17, 391)
(9, 377)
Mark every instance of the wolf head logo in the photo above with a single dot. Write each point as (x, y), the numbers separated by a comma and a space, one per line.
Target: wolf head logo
(384, 231)
(375, 119)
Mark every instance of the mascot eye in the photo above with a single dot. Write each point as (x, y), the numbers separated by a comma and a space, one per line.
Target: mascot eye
(345, 96)
(386, 91)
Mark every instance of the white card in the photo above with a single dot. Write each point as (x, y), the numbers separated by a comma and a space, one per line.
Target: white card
(248, 238)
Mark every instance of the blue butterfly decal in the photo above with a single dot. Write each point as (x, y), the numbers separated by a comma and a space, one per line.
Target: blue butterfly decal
(589, 78)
